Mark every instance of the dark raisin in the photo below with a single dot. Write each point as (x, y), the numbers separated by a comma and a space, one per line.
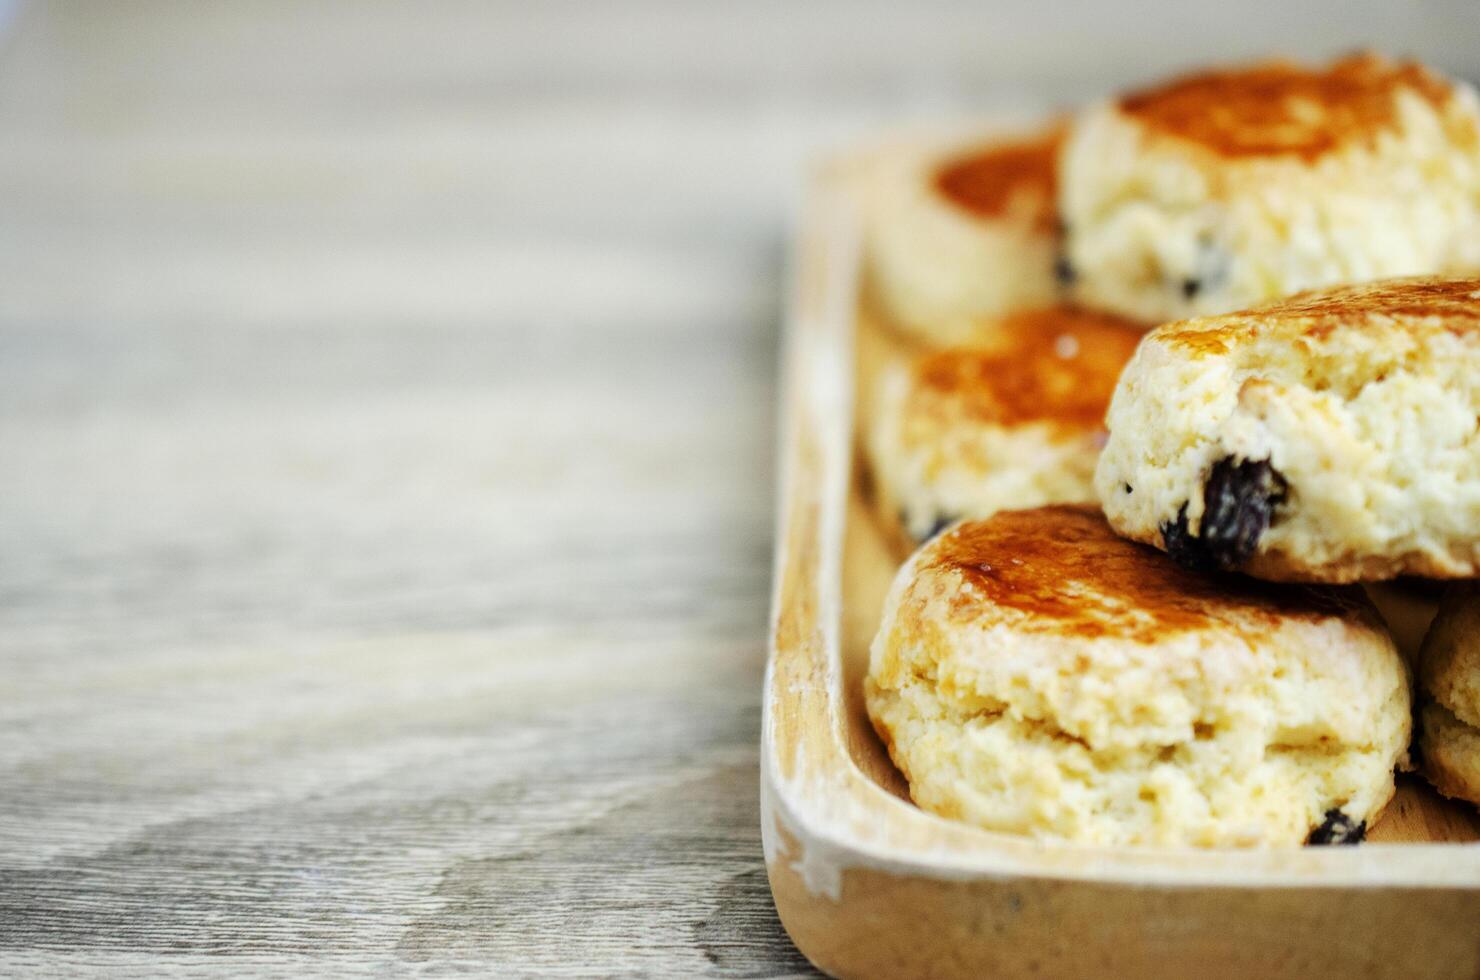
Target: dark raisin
(1210, 269)
(1181, 544)
(1129, 488)
(942, 521)
(1063, 271)
(1239, 501)
(1338, 828)
(1423, 587)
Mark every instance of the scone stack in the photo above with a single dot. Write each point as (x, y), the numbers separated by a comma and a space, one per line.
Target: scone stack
(1149, 627)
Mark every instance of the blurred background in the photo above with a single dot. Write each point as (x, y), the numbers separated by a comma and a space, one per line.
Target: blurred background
(386, 426)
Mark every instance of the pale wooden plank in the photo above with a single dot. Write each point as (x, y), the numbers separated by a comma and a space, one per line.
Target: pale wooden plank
(385, 552)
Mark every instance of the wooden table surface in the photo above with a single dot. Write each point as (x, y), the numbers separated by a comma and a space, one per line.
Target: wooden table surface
(386, 441)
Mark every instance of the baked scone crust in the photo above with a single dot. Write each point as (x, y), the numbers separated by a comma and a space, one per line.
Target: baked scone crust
(1450, 752)
(1036, 674)
(961, 232)
(1449, 678)
(1226, 189)
(1014, 419)
(1329, 437)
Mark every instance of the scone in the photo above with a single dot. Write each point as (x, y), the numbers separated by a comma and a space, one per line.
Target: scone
(963, 233)
(1220, 191)
(1449, 682)
(1328, 438)
(1036, 674)
(1016, 419)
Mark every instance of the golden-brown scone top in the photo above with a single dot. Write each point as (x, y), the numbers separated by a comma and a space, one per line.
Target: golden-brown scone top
(1417, 306)
(1280, 108)
(1013, 418)
(1034, 673)
(1003, 178)
(1062, 571)
(1056, 366)
(963, 229)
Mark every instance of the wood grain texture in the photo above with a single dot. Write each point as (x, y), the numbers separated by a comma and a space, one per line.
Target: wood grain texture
(385, 456)
(384, 525)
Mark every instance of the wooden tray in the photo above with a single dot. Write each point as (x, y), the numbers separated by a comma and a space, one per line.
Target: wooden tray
(869, 885)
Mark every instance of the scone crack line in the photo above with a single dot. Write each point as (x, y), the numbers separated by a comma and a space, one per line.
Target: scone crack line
(1447, 713)
(1038, 725)
(1320, 747)
(1153, 746)
(1049, 728)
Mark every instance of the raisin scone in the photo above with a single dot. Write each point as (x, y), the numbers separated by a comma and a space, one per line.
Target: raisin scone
(1327, 438)
(1014, 419)
(1449, 683)
(1036, 674)
(1219, 191)
(962, 233)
